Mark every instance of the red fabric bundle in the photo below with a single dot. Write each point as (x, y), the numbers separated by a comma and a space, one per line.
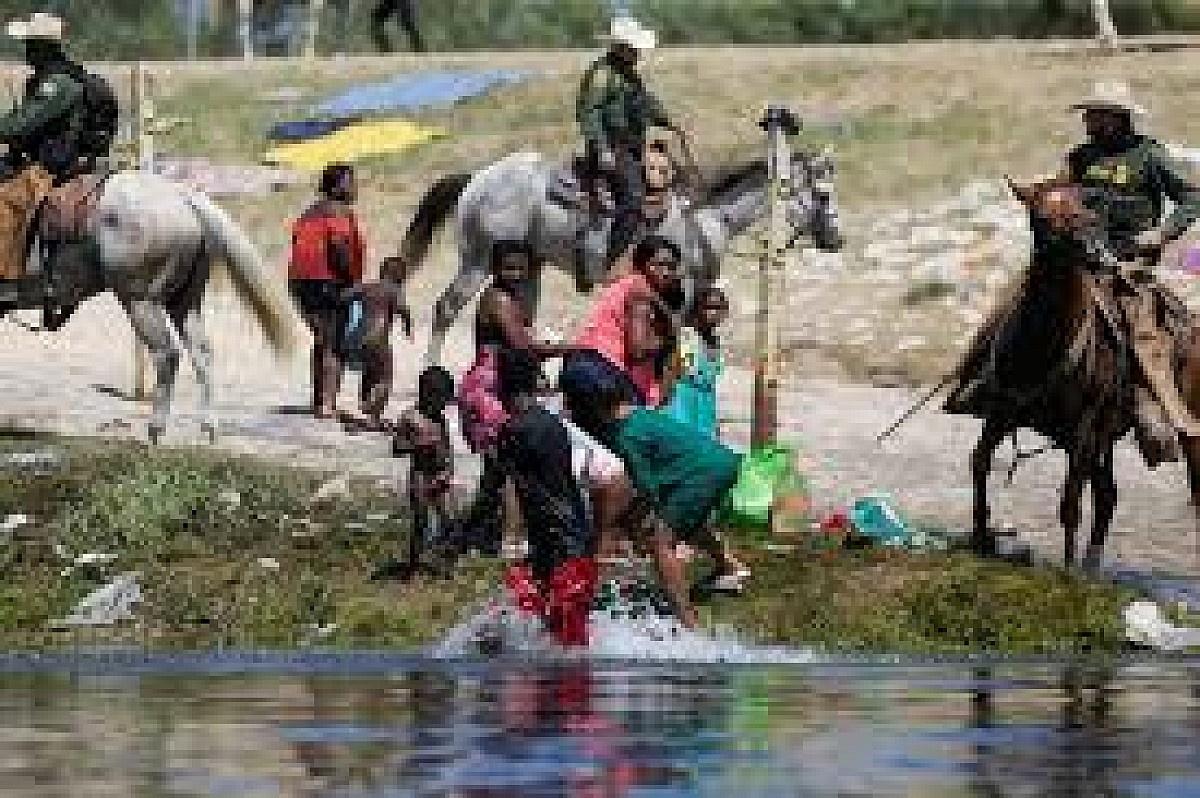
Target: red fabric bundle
(572, 590)
(526, 595)
(567, 600)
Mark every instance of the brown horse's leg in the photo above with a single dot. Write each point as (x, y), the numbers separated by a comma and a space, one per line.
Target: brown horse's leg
(1104, 505)
(1070, 509)
(982, 540)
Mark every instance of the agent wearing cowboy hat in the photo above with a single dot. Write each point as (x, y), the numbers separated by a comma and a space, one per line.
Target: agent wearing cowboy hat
(55, 125)
(614, 111)
(1127, 178)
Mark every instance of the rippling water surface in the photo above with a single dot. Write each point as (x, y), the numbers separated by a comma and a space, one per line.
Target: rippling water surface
(377, 726)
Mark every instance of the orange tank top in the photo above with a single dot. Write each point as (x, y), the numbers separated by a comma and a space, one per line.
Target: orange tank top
(604, 333)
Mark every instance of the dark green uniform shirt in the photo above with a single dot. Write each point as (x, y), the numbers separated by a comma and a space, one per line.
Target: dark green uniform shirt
(1129, 186)
(615, 108)
(51, 102)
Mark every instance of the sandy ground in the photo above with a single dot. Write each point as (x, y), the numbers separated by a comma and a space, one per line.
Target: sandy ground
(76, 382)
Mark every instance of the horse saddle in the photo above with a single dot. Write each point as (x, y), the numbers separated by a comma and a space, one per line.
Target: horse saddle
(68, 209)
(568, 187)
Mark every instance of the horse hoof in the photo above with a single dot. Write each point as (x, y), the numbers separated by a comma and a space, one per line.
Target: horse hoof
(209, 431)
(155, 434)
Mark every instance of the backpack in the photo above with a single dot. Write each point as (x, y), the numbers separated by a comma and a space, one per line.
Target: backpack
(101, 113)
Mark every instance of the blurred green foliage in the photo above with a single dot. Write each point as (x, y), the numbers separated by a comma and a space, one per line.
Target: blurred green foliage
(127, 29)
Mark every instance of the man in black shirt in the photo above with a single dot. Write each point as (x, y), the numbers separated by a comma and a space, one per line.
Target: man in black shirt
(535, 450)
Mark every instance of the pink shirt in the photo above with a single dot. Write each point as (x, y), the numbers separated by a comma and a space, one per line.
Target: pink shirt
(604, 332)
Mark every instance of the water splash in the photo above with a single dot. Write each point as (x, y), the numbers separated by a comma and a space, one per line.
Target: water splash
(625, 632)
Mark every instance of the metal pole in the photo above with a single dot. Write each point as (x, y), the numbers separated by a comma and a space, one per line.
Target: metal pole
(779, 123)
(1104, 22)
(315, 9)
(246, 28)
(193, 28)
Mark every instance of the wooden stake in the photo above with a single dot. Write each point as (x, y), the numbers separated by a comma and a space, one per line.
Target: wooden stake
(142, 156)
(779, 123)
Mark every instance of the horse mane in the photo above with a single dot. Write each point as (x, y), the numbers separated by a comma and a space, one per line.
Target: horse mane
(730, 177)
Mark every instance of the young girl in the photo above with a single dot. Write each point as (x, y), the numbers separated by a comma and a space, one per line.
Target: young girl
(380, 304)
(326, 260)
(694, 393)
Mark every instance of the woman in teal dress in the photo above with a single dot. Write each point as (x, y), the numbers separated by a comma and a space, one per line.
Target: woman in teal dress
(694, 394)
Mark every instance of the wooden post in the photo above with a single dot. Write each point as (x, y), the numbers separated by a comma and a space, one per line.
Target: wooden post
(779, 123)
(246, 28)
(1106, 28)
(315, 9)
(142, 156)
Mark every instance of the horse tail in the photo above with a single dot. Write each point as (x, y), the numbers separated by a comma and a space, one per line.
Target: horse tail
(436, 206)
(249, 275)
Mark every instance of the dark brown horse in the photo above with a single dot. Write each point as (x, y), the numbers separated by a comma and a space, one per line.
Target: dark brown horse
(1057, 360)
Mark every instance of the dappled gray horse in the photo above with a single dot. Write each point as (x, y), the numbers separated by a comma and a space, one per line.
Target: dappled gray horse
(517, 197)
(153, 243)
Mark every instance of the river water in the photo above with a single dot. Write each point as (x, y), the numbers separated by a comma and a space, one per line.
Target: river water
(362, 724)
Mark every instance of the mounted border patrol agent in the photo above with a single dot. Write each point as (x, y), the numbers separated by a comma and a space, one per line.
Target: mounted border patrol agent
(67, 119)
(62, 130)
(615, 109)
(1127, 179)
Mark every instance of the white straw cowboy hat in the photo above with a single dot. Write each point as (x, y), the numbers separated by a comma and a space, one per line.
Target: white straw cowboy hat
(1111, 95)
(38, 26)
(627, 30)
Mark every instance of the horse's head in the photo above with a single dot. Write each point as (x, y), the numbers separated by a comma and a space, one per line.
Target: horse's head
(812, 208)
(1062, 223)
(742, 193)
(1056, 204)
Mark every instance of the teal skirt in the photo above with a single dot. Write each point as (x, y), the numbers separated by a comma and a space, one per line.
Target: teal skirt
(682, 471)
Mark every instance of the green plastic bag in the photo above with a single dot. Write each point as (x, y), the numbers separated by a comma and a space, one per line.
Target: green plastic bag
(765, 474)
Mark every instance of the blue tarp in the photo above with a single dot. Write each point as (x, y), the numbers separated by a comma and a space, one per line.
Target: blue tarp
(410, 92)
(306, 129)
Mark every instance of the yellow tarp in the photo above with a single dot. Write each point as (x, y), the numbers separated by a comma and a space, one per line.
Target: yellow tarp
(351, 144)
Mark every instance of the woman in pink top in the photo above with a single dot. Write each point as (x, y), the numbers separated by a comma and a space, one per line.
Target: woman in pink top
(624, 338)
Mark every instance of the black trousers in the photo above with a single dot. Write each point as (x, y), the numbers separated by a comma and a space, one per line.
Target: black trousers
(628, 189)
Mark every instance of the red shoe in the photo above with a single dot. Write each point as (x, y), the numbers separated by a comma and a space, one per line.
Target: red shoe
(572, 592)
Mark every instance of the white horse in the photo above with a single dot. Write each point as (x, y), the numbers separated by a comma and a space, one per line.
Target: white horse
(153, 243)
(521, 197)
